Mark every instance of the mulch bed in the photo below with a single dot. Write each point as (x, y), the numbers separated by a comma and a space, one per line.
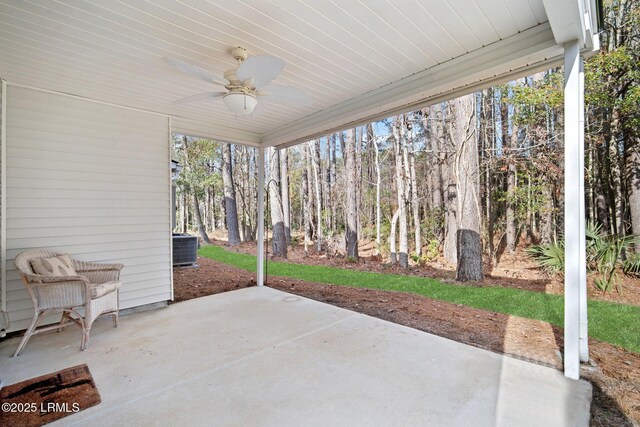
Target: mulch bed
(517, 271)
(614, 372)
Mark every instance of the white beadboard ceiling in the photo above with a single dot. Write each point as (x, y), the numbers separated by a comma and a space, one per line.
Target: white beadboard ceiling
(356, 59)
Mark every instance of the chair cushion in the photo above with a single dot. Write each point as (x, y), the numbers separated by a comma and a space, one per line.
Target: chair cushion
(103, 289)
(57, 266)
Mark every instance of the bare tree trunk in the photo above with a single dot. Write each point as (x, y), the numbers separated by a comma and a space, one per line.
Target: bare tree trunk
(279, 238)
(467, 180)
(602, 211)
(213, 207)
(378, 189)
(284, 183)
(310, 191)
(415, 202)
(616, 174)
(231, 208)
(437, 144)
(358, 179)
(351, 171)
(451, 224)
(196, 204)
(223, 206)
(317, 167)
(332, 174)
(201, 230)
(393, 254)
(306, 196)
(328, 190)
(398, 143)
(490, 215)
(530, 224)
(185, 212)
(546, 215)
(316, 179)
(249, 196)
(633, 181)
(488, 135)
(450, 205)
(205, 218)
(511, 179)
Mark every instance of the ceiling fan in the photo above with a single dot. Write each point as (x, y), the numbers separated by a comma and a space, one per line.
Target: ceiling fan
(244, 85)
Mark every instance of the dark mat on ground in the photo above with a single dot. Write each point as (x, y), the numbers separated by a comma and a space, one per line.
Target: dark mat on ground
(47, 398)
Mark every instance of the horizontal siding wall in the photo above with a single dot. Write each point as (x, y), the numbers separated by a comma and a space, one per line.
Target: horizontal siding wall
(91, 180)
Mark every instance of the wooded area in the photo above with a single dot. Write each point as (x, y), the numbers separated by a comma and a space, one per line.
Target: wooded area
(471, 178)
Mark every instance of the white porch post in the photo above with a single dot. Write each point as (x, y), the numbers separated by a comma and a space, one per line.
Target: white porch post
(260, 241)
(573, 209)
(584, 329)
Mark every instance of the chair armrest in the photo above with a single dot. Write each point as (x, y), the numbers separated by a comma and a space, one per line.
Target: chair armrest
(98, 273)
(84, 266)
(39, 279)
(56, 292)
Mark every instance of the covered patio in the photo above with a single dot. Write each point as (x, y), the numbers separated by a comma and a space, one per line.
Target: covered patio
(258, 356)
(87, 116)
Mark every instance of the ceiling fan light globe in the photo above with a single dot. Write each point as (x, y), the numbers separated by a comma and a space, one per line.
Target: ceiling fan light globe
(240, 103)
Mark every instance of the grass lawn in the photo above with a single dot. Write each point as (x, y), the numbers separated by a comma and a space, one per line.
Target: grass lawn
(617, 324)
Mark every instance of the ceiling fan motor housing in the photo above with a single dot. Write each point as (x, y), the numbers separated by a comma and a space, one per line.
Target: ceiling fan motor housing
(239, 53)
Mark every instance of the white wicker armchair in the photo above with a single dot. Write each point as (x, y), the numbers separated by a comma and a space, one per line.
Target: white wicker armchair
(94, 289)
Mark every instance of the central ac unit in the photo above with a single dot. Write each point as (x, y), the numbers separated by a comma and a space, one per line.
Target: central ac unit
(185, 249)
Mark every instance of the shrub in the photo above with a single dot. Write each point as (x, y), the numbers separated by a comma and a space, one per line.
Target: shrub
(605, 256)
(431, 252)
(631, 265)
(549, 256)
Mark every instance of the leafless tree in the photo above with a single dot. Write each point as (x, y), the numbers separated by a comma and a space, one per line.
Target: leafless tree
(279, 237)
(351, 171)
(230, 197)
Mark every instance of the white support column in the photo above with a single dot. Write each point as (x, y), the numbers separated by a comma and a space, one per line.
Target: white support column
(584, 325)
(573, 197)
(260, 240)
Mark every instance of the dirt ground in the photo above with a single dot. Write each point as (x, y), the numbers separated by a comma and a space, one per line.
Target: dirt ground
(614, 372)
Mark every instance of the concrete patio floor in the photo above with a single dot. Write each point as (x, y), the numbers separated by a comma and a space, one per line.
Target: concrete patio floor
(258, 356)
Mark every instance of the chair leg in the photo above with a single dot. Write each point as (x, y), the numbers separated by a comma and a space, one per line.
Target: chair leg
(85, 339)
(65, 318)
(28, 333)
(116, 322)
(86, 330)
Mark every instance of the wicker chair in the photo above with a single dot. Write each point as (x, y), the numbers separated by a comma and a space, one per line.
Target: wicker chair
(94, 289)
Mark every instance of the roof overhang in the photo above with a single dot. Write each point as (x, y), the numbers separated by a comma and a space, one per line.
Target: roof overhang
(510, 58)
(575, 20)
(517, 56)
(112, 52)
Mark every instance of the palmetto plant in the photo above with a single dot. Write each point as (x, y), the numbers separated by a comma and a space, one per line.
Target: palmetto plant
(549, 256)
(606, 255)
(631, 266)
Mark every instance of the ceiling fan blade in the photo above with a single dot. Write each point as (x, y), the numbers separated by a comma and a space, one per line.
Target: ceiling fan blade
(281, 94)
(261, 69)
(200, 97)
(194, 71)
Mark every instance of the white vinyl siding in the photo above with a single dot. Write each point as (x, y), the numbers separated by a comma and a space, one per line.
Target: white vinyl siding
(90, 179)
